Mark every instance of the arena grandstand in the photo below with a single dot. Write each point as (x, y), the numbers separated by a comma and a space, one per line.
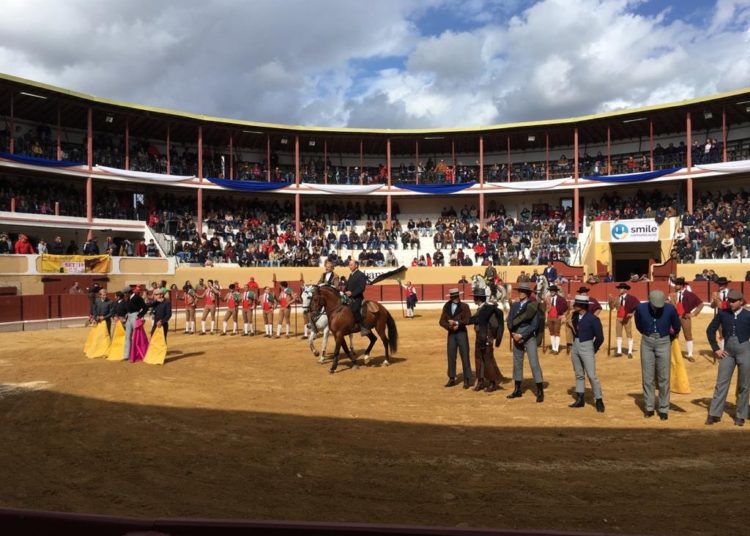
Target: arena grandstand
(162, 192)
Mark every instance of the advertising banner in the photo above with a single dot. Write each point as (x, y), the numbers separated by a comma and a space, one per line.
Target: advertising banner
(634, 231)
(76, 264)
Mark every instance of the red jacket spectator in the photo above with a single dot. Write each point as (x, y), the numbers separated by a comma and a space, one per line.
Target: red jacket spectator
(140, 249)
(23, 246)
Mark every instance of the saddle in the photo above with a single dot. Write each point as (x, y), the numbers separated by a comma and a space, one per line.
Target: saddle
(369, 306)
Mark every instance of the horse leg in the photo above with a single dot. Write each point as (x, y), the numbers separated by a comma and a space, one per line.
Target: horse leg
(384, 337)
(311, 341)
(373, 339)
(324, 343)
(349, 353)
(339, 340)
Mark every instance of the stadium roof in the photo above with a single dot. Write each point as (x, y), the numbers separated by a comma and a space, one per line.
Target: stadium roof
(38, 102)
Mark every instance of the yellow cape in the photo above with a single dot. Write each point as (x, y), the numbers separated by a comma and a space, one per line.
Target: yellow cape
(678, 379)
(98, 341)
(118, 343)
(157, 349)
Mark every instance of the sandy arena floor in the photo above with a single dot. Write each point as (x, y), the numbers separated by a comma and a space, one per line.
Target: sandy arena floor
(235, 427)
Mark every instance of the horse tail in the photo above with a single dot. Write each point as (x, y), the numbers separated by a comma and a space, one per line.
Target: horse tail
(392, 332)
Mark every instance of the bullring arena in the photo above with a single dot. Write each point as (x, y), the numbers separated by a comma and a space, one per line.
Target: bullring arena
(252, 428)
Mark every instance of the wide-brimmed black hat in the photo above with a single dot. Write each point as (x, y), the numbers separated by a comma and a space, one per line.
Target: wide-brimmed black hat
(722, 280)
(623, 285)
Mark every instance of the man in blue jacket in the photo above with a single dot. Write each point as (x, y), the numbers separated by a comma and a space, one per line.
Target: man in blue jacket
(735, 325)
(588, 338)
(658, 323)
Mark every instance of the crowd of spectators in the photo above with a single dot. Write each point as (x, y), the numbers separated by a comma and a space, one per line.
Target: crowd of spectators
(612, 206)
(718, 228)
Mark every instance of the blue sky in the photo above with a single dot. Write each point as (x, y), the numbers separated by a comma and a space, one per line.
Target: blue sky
(385, 64)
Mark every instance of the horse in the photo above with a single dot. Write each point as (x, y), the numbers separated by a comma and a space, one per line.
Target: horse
(501, 295)
(341, 323)
(542, 286)
(318, 323)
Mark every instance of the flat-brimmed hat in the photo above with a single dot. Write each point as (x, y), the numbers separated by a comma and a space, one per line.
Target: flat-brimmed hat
(722, 281)
(454, 293)
(583, 289)
(524, 287)
(479, 292)
(734, 295)
(656, 298)
(581, 300)
(623, 285)
(553, 288)
(679, 281)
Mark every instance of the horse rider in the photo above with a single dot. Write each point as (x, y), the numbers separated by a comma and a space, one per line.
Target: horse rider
(490, 277)
(355, 291)
(329, 277)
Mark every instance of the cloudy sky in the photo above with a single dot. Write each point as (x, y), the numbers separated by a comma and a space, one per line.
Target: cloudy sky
(382, 63)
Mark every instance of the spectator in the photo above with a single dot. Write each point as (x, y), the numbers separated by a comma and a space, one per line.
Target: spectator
(23, 246)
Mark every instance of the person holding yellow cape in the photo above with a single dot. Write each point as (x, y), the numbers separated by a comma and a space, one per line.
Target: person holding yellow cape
(157, 350)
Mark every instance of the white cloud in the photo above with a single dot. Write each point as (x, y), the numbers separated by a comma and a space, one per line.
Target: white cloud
(305, 62)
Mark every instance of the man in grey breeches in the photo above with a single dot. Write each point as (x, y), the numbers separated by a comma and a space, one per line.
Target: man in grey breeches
(658, 323)
(737, 355)
(530, 347)
(655, 365)
(129, 325)
(584, 364)
(735, 325)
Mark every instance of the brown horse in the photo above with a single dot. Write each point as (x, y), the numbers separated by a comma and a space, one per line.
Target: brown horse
(341, 323)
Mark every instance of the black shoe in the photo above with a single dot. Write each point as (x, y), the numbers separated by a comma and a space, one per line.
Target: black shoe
(467, 385)
(599, 405)
(517, 392)
(451, 382)
(630, 355)
(690, 358)
(739, 422)
(648, 414)
(479, 386)
(490, 388)
(663, 416)
(579, 401)
(712, 420)
(539, 392)
(618, 354)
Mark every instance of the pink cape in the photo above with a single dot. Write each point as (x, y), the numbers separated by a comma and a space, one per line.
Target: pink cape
(139, 342)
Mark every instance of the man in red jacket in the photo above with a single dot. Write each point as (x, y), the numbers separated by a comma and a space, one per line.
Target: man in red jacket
(625, 305)
(23, 246)
(688, 305)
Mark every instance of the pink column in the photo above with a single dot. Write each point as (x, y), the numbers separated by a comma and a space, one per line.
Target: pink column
(416, 161)
(12, 204)
(90, 163)
(689, 134)
(453, 159)
(651, 141)
(58, 144)
(325, 161)
(609, 151)
(509, 162)
(388, 171)
(199, 223)
(127, 143)
(546, 166)
(481, 182)
(231, 158)
(169, 150)
(12, 137)
(724, 134)
(57, 208)
(361, 161)
(297, 223)
(576, 208)
(268, 157)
